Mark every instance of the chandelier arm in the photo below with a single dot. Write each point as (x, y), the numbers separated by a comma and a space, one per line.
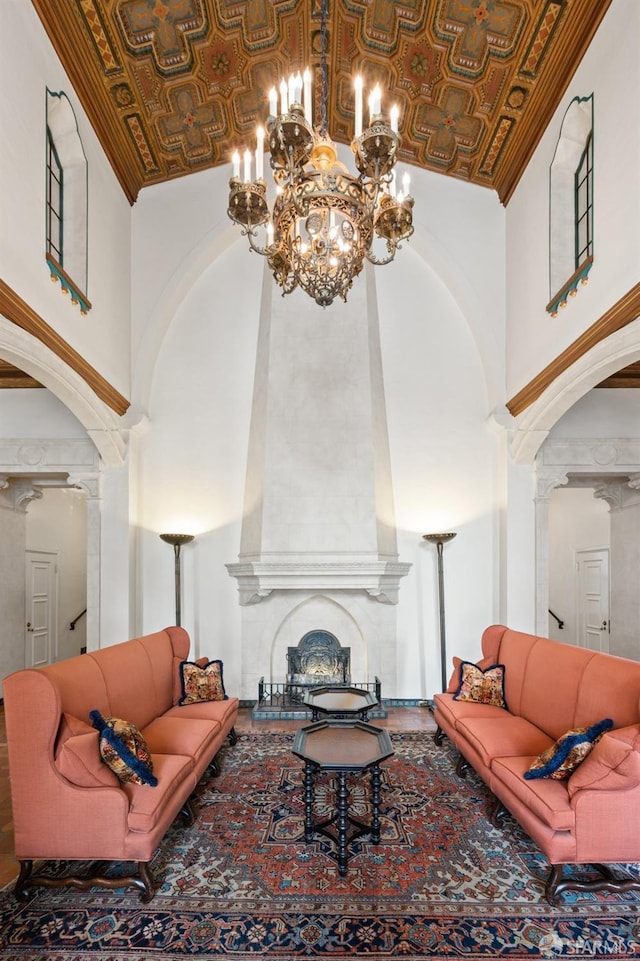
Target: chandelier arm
(251, 234)
(382, 261)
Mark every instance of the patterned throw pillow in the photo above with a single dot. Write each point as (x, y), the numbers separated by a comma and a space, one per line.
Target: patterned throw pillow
(563, 757)
(482, 686)
(454, 680)
(124, 750)
(201, 682)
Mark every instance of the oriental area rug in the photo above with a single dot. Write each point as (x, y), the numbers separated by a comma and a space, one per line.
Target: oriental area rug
(241, 883)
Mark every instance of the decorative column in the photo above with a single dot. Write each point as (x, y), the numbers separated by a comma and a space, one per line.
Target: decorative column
(547, 480)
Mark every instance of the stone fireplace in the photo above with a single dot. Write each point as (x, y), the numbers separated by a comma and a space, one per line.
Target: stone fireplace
(318, 548)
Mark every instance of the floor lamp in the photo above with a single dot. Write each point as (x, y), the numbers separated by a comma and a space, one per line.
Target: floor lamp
(440, 540)
(177, 540)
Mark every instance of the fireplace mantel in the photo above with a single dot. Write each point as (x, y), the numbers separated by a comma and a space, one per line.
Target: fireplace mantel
(380, 579)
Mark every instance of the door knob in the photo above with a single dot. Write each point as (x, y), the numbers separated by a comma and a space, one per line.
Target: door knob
(29, 628)
(604, 626)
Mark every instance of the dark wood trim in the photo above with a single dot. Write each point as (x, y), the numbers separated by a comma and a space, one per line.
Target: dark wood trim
(12, 377)
(627, 377)
(69, 40)
(16, 310)
(626, 310)
(548, 92)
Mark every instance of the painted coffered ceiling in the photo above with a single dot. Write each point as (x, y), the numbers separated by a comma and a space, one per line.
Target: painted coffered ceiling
(173, 86)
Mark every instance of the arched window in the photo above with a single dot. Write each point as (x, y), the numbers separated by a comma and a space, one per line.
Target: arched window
(67, 201)
(571, 204)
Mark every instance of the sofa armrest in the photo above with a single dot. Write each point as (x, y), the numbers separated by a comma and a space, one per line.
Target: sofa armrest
(605, 825)
(52, 817)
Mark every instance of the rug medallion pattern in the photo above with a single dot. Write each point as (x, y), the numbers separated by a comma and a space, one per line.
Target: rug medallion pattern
(242, 883)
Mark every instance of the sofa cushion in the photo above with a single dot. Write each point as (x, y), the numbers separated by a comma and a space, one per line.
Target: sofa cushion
(567, 752)
(147, 807)
(224, 712)
(613, 763)
(481, 686)
(124, 750)
(551, 682)
(502, 736)
(138, 677)
(201, 682)
(190, 737)
(449, 712)
(78, 760)
(547, 799)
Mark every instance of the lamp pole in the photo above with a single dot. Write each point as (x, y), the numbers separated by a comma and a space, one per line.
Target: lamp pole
(440, 540)
(177, 540)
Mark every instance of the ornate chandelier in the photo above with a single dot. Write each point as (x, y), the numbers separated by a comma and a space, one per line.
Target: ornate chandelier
(324, 221)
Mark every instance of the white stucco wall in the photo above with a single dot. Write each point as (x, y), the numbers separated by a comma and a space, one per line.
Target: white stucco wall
(604, 412)
(196, 300)
(534, 338)
(28, 66)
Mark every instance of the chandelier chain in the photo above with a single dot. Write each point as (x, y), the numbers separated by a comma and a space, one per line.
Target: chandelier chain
(324, 12)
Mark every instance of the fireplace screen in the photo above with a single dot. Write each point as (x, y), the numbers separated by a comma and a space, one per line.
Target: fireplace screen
(318, 659)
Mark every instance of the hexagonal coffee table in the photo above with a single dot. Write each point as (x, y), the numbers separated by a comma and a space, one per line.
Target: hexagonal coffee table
(336, 701)
(342, 747)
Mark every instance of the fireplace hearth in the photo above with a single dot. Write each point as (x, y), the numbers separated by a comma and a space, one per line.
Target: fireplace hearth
(318, 660)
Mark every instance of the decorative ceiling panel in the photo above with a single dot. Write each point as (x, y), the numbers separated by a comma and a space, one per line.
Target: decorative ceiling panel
(174, 86)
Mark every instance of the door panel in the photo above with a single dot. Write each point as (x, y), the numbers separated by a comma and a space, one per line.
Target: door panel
(40, 608)
(592, 569)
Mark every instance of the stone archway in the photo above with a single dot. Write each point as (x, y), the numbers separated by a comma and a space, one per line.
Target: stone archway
(549, 463)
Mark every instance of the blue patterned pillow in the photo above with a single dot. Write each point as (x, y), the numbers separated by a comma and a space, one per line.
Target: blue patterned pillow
(124, 750)
(563, 757)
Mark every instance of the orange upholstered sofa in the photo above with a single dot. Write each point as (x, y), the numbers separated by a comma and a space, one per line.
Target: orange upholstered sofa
(592, 816)
(67, 803)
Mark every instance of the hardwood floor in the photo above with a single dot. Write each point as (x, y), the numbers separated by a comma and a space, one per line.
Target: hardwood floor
(399, 719)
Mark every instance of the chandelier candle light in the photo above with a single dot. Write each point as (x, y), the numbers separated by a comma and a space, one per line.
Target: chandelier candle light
(324, 220)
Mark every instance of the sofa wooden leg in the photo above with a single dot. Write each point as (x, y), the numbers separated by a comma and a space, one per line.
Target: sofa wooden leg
(188, 812)
(214, 767)
(462, 766)
(22, 889)
(143, 880)
(553, 880)
(439, 736)
(233, 737)
(607, 881)
(148, 882)
(497, 812)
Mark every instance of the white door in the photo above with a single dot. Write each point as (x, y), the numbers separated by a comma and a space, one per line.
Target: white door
(592, 572)
(41, 604)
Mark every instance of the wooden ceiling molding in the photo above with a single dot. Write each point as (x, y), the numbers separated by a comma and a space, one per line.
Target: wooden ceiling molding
(174, 86)
(623, 312)
(18, 311)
